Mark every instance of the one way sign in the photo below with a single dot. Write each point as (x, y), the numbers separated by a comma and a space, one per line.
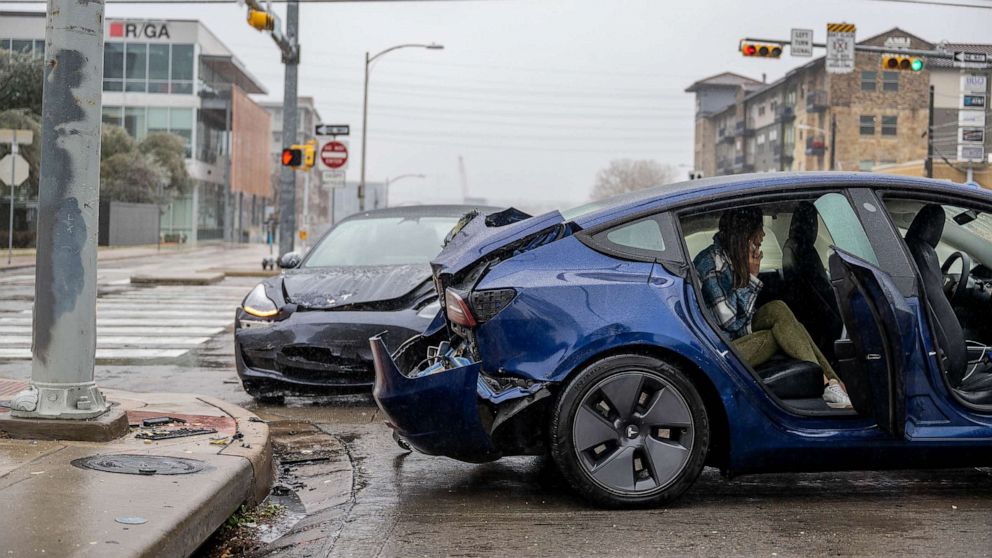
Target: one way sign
(332, 130)
(963, 59)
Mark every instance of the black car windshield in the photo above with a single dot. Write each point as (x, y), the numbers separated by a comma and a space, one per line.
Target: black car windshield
(381, 241)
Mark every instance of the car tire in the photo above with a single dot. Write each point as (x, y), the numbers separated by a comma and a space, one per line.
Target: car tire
(630, 431)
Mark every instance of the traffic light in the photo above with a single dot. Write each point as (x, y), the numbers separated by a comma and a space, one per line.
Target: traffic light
(309, 154)
(292, 156)
(901, 62)
(263, 21)
(761, 50)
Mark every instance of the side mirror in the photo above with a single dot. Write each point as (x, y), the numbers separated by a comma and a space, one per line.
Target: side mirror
(290, 260)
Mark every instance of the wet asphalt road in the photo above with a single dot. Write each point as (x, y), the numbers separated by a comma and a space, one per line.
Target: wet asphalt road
(353, 492)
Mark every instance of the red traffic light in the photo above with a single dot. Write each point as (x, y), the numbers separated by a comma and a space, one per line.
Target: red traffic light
(761, 50)
(292, 157)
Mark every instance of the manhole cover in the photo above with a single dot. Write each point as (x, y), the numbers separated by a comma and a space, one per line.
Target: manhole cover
(141, 464)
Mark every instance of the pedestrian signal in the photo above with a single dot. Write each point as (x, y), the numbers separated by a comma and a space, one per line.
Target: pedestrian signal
(292, 156)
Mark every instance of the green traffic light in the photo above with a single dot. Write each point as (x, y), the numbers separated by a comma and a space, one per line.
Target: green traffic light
(916, 65)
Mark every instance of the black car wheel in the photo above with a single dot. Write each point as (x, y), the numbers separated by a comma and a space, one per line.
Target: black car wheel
(630, 430)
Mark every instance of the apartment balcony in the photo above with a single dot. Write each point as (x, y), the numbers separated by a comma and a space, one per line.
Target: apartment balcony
(785, 113)
(816, 101)
(728, 138)
(741, 129)
(815, 145)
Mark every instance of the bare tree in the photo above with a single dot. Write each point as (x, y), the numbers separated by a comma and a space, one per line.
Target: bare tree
(628, 175)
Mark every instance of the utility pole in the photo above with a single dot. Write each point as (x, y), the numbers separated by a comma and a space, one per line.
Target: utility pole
(64, 333)
(929, 161)
(287, 177)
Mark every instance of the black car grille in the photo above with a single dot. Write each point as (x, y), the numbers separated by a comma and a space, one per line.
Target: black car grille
(312, 364)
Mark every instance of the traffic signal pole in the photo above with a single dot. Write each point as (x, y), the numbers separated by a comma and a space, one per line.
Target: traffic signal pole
(287, 177)
(64, 330)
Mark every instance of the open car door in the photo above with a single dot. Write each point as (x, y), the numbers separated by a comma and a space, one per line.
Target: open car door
(881, 339)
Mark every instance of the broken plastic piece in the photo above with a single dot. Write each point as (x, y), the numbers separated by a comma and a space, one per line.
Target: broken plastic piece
(159, 421)
(177, 433)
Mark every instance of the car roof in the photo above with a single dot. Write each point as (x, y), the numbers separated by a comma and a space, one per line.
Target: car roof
(439, 210)
(660, 197)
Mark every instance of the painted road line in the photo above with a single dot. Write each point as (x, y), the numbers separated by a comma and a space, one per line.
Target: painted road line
(25, 329)
(105, 354)
(202, 322)
(104, 341)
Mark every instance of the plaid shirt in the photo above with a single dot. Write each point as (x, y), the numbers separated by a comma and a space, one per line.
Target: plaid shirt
(732, 308)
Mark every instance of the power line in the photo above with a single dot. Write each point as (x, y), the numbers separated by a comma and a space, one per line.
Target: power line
(944, 4)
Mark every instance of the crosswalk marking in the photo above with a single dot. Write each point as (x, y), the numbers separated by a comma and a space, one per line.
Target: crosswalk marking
(105, 354)
(140, 323)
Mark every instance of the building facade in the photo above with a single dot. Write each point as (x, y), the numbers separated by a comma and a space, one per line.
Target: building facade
(175, 76)
(868, 119)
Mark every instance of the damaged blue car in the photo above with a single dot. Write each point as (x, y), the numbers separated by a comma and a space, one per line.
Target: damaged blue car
(584, 335)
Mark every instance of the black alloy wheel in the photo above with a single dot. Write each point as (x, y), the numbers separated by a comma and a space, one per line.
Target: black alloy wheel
(630, 430)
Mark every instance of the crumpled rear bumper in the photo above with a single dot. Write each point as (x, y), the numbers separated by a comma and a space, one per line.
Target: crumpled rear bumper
(437, 414)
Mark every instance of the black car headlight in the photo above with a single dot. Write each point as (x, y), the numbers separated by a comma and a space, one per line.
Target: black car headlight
(258, 304)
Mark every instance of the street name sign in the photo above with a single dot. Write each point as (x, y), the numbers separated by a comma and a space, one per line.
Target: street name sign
(802, 43)
(331, 130)
(963, 59)
(334, 155)
(840, 48)
(13, 165)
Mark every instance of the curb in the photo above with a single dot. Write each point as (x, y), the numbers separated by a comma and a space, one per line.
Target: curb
(259, 450)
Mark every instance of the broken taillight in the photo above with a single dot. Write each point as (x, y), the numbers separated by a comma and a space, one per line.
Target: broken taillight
(457, 309)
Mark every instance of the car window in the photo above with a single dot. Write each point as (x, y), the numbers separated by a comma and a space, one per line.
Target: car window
(381, 241)
(642, 235)
(844, 226)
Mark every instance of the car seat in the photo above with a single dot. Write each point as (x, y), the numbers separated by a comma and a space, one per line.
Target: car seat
(807, 285)
(973, 382)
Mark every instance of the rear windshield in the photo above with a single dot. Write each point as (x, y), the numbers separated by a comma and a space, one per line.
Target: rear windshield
(381, 241)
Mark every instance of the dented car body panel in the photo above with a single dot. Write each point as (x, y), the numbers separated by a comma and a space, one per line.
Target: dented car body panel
(574, 304)
(317, 342)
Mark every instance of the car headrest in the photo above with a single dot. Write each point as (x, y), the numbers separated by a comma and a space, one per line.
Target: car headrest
(804, 225)
(927, 226)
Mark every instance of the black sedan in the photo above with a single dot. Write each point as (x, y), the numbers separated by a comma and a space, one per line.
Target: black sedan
(306, 331)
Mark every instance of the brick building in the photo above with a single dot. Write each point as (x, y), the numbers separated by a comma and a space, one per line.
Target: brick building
(812, 120)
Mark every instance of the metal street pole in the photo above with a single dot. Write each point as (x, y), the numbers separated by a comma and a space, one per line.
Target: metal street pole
(365, 110)
(64, 332)
(10, 236)
(400, 177)
(287, 176)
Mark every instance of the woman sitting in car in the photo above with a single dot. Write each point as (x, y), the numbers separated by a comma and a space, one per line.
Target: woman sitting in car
(729, 271)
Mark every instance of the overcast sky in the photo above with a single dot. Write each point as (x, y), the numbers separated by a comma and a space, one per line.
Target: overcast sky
(536, 95)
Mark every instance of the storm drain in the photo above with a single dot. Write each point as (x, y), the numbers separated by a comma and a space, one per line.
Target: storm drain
(141, 464)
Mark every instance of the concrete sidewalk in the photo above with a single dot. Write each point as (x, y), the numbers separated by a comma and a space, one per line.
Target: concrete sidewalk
(57, 507)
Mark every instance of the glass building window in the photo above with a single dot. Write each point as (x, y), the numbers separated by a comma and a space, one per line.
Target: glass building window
(113, 115)
(22, 45)
(868, 81)
(113, 67)
(890, 81)
(5, 44)
(867, 125)
(181, 124)
(136, 67)
(134, 122)
(158, 119)
(182, 69)
(889, 125)
(158, 68)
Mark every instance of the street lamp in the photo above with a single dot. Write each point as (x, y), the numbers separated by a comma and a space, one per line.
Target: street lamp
(400, 177)
(365, 109)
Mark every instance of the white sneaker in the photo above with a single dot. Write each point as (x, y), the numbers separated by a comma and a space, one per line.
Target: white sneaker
(835, 396)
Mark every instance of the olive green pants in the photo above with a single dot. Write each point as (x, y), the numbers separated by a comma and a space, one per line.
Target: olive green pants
(775, 328)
